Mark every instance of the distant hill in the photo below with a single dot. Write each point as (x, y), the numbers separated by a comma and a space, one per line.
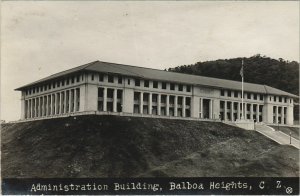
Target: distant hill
(115, 146)
(258, 69)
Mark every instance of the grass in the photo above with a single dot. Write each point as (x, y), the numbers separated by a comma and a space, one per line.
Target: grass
(113, 146)
(287, 130)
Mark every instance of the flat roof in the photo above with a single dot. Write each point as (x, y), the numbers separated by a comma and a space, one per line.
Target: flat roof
(161, 75)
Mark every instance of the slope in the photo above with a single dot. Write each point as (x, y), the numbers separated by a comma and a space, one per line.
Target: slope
(113, 146)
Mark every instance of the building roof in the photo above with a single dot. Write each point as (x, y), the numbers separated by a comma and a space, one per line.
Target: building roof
(155, 74)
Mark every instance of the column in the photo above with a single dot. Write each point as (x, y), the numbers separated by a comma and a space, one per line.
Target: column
(282, 115)
(251, 111)
(104, 99)
(257, 112)
(141, 102)
(232, 111)
(36, 108)
(276, 115)
(33, 108)
(175, 105)
(167, 105)
(70, 100)
(158, 103)
(65, 102)
(183, 106)
(52, 104)
(60, 103)
(211, 109)
(46, 105)
(30, 108)
(57, 103)
(225, 110)
(75, 100)
(238, 110)
(201, 107)
(150, 103)
(27, 108)
(42, 105)
(115, 101)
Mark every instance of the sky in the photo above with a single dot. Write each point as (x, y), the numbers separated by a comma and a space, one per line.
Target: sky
(40, 38)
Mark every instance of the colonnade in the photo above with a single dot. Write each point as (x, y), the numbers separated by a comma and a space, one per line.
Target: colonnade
(61, 102)
(110, 99)
(162, 104)
(279, 114)
(251, 111)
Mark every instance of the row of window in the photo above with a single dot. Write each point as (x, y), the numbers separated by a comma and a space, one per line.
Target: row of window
(110, 78)
(247, 95)
(137, 82)
(163, 98)
(280, 99)
(54, 84)
(256, 118)
(235, 106)
(279, 110)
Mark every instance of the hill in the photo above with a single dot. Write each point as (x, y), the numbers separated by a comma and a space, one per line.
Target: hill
(258, 69)
(114, 146)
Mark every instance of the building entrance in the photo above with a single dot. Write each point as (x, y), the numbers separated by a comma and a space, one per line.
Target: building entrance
(206, 108)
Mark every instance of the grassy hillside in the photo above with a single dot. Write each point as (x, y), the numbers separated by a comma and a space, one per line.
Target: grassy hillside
(287, 130)
(112, 146)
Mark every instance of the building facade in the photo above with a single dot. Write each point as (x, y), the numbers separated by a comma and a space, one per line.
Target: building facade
(115, 88)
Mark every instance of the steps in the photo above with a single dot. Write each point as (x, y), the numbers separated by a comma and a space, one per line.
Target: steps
(277, 136)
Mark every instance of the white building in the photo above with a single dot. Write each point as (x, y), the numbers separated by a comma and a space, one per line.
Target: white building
(115, 88)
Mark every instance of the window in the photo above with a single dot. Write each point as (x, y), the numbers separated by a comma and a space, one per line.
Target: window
(285, 100)
(53, 85)
(228, 105)
(92, 78)
(77, 78)
(188, 88)
(68, 81)
(110, 78)
(155, 84)
(49, 86)
(280, 99)
(172, 86)
(137, 82)
(248, 107)
(37, 89)
(222, 92)
(236, 94)
(255, 96)
(120, 79)
(58, 84)
(229, 93)
(72, 79)
(101, 77)
(248, 95)
(164, 85)
(63, 83)
(275, 98)
(222, 104)
(146, 83)
(261, 97)
(128, 82)
(180, 87)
